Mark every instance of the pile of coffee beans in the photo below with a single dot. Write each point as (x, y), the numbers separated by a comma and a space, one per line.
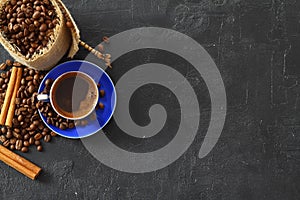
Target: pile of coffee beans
(28, 24)
(28, 128)
(60, 122)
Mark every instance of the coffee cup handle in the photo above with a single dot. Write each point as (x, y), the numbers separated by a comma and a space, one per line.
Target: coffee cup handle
(43, 97)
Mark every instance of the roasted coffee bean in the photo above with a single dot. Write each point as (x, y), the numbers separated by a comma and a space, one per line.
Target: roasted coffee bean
(17, 130)
(41, 126)
(102, 93)
(6, 143)
(53, 134)
(93, 116)
(26, 137)
(20, 118)
(23, 131)
(77, 123)
(44, 133)
(9, 135)
(38, 136)
(31, 132)
(17, 135)
(69, 24)
(24, 149)
(19, 144)
(37, 143)
(12, 147)
(18, 100)
(2, 138)
(31, 140)
(17, 64)
(101, 105)
(36, 15)
(3, 66)
(3, 130)
(32, 127)
(31, 89)
(47, 138)
(13, 141)
(43, 28)
(28, 78)
(39, 148)
(48, 82)
(62, 126)
(71, 125)
(36, 122)
(84, 122)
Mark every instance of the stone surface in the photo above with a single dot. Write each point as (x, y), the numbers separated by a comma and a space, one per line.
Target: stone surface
(255, 44)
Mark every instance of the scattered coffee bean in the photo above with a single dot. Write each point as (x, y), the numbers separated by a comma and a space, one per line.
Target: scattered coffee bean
(28, 127)
(9, 63)
(53, 134)
(38, 136)
(37, 143)
(47, 138)
(19, 144)
(39, 148)
(2, 138)
(12, 147)
(24, 149)
(3, 66)
(31, 141)
(6, 143)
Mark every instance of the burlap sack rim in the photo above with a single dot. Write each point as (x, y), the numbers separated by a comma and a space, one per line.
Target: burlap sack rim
(74, 32)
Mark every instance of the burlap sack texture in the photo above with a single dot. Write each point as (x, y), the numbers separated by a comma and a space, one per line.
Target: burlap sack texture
(64, 39)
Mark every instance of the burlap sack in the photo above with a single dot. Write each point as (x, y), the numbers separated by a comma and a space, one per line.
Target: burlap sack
(64, 39)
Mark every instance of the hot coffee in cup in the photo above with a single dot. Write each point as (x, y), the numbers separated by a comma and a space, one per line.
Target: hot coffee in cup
(73, 95)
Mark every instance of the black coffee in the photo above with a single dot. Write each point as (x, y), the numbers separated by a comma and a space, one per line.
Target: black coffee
(73, 95)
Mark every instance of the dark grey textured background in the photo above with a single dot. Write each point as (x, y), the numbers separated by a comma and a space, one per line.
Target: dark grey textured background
(255, 44)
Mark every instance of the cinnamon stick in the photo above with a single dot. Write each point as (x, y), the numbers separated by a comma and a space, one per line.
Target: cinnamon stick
(12, 105)
(8, 96)
(19, 163)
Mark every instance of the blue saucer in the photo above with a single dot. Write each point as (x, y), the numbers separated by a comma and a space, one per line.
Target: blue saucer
(109, 100)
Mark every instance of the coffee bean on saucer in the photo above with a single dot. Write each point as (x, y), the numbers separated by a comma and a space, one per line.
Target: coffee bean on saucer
(48, 82)
(102, 93)
(62, 127)
(84, 122)
(101, 106)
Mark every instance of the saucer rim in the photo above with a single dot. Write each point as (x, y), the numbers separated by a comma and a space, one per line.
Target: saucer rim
(111, 114)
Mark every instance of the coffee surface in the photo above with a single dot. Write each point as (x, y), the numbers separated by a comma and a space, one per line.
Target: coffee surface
(74, 95)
